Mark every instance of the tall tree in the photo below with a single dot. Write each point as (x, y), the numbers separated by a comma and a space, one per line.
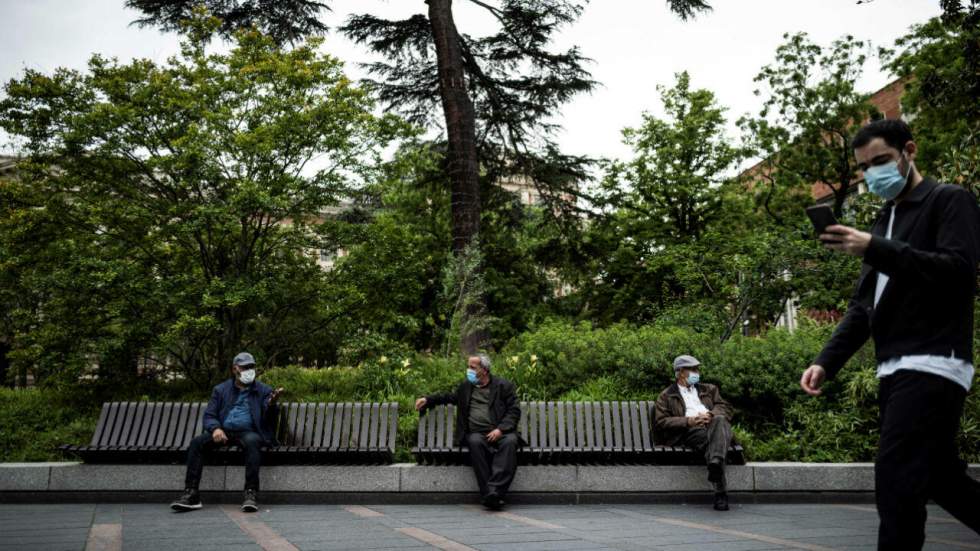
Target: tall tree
(810, 112)
(668, 195)
(673, 182)
(180, 201)
(497, 92)
(939, 62)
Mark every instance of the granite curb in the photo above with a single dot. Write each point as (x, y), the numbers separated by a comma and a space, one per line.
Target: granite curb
(409, 478)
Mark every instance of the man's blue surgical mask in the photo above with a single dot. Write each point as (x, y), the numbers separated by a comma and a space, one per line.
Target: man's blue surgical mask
(471, 376)
(886, 181)
(693, 378)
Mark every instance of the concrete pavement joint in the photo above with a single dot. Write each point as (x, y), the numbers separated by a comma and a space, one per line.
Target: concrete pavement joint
(933, 518)
(527, 520)
(104, 537)
(576, 533)
(954, 543)
(433, 539)
(362, 511)
(727, 531)
(267, 538)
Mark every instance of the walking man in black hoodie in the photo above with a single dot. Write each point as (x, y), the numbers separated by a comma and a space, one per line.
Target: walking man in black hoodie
(914, 297)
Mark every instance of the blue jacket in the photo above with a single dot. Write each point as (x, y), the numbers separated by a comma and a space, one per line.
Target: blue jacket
(263, 414)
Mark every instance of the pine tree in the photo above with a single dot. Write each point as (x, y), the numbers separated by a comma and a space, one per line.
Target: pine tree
(498, 93)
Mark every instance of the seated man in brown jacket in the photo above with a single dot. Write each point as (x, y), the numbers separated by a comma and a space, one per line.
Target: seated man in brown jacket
(693, 414)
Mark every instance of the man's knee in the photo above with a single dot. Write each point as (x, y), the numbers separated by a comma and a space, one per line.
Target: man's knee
(201, 440)
(251, 441)
(720, 420)
(696, 437)
(476, 440)
(507, 441)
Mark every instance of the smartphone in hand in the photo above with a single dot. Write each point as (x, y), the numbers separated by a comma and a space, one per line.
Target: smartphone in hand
(822, 216)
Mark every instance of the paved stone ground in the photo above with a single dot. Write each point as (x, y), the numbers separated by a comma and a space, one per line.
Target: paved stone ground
(144, 527)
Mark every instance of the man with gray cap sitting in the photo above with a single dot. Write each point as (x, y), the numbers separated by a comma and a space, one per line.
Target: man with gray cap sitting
(242, 411)
(693, 414)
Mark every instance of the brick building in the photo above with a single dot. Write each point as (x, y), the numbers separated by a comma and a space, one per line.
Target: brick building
(887, 100)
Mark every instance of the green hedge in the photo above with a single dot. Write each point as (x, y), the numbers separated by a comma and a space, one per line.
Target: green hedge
(33, 422)
(562, 361)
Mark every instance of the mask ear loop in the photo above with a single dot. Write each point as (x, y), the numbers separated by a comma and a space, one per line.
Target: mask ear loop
(908, 173)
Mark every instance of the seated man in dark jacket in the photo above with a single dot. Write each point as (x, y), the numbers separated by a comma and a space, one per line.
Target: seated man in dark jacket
(693, 414)
(487, 413)
(242, 411)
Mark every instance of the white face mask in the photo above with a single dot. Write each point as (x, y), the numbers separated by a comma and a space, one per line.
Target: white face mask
(247, 376)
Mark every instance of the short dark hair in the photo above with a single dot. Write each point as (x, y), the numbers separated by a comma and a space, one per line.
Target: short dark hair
(895, 132)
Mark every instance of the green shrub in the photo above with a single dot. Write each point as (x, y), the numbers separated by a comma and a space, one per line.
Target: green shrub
(604, 388)
(302, 384)
(34, 422)
(559, 360)
(559, 356)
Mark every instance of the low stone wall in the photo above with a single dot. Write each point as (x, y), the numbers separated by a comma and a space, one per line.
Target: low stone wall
(407, 478)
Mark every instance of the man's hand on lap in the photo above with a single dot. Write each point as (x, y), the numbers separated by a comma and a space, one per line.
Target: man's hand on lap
(219, 436)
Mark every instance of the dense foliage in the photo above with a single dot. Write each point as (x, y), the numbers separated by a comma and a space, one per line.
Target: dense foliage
(166, 214)
(559, 361)
(163, 217)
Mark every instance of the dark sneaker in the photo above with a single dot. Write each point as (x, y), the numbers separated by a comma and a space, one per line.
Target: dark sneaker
(250, 505)
(716, 470)
(189, 501)
(493, 502)
(721, 501)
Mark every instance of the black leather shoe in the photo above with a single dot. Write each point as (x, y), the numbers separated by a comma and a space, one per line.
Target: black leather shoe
(716, 470)
(493, 502)
(721, 501)
(188, 501)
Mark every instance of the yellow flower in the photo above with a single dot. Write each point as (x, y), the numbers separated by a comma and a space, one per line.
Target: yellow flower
(534, 357)
(406, 363)
(383, 360)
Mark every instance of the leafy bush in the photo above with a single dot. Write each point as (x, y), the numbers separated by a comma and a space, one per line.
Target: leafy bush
(33, 422)
(557, 361)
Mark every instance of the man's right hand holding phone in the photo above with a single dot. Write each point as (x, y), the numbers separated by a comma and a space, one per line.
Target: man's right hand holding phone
(846, 240)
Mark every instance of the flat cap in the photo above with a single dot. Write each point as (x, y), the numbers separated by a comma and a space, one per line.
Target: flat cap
(683, 361)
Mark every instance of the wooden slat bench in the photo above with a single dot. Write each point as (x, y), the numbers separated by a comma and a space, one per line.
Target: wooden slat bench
(566, 433)
(308, 433)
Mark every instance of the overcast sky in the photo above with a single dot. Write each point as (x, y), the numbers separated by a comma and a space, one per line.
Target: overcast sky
(635, 45)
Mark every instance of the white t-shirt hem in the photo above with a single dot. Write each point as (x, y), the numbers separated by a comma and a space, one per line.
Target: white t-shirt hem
(954, 369)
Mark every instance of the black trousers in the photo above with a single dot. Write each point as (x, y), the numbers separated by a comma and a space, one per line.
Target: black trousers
(918, 460)
(494, 464)
(251, 444)
(713, 441)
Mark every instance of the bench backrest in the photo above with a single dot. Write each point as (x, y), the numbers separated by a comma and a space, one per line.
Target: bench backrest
(340, 426)
(587, 426)
(148, 424)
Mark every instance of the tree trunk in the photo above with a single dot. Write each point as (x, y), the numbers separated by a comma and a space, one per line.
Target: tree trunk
(230, 340)
(463, 165)
(844, 177)
(5, 366)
